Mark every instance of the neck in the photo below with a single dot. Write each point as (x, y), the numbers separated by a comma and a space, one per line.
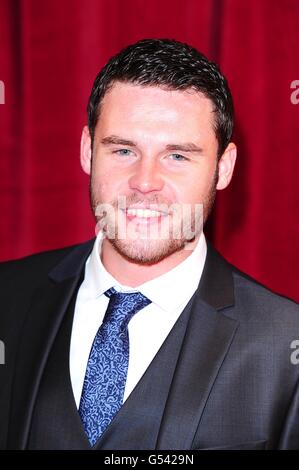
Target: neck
(132, 274)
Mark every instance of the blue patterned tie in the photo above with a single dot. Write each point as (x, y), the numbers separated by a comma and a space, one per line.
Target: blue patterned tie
(107, 367)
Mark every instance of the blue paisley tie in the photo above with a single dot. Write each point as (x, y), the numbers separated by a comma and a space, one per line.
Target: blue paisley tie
(107, 367)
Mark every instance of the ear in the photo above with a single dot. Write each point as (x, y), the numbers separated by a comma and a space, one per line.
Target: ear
(226, 166)
(85, 150)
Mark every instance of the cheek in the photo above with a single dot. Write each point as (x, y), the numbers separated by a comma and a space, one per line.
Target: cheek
(99, 182)
(105, 186)
(194, 189)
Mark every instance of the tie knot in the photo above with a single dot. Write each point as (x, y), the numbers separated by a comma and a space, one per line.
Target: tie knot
(110, 292)
(123, 305)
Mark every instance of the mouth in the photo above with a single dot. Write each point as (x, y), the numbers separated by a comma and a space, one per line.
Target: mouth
(145, 215)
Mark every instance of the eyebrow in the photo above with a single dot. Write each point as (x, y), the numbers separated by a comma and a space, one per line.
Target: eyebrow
(184, 147)
(115, 140)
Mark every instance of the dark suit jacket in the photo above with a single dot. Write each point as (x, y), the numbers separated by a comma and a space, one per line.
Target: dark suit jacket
(234, 385)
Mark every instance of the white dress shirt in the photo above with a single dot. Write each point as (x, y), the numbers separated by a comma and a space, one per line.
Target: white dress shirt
(148, 329)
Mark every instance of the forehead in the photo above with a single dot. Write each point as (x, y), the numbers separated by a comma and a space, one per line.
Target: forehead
(153, 111)
(155, 102)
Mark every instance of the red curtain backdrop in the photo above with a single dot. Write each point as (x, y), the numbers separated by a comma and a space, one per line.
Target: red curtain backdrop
(50, 52)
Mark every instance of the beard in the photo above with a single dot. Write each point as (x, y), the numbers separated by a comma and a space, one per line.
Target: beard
(148, 244)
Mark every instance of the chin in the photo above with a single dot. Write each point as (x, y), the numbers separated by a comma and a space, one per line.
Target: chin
(147, 252)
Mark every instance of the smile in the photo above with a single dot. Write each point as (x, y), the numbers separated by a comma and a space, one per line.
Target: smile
(144, 213)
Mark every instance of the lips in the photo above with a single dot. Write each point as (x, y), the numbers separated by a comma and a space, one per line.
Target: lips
(144, 214)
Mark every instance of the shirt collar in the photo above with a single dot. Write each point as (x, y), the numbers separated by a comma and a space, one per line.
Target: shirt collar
(97, 279)
(168, 291)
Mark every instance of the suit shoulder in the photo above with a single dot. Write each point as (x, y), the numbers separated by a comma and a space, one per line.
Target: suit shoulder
(259, 287)
(223, 278)
(32, 266)
(260, 299)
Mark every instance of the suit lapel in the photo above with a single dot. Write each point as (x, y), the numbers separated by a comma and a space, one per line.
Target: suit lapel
(208, 338)
(48, 305)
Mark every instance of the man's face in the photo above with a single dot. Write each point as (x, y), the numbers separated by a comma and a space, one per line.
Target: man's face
(157, 150)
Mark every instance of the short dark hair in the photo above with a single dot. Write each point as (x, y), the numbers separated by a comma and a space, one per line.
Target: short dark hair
(172, 65)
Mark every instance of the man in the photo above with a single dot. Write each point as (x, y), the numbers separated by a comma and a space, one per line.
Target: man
(146, 338)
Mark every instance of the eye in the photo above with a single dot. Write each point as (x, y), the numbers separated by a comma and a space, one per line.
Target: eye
(177, 157)
(123, 152)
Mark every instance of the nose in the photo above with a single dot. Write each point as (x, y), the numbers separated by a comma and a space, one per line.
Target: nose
(146, 177)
